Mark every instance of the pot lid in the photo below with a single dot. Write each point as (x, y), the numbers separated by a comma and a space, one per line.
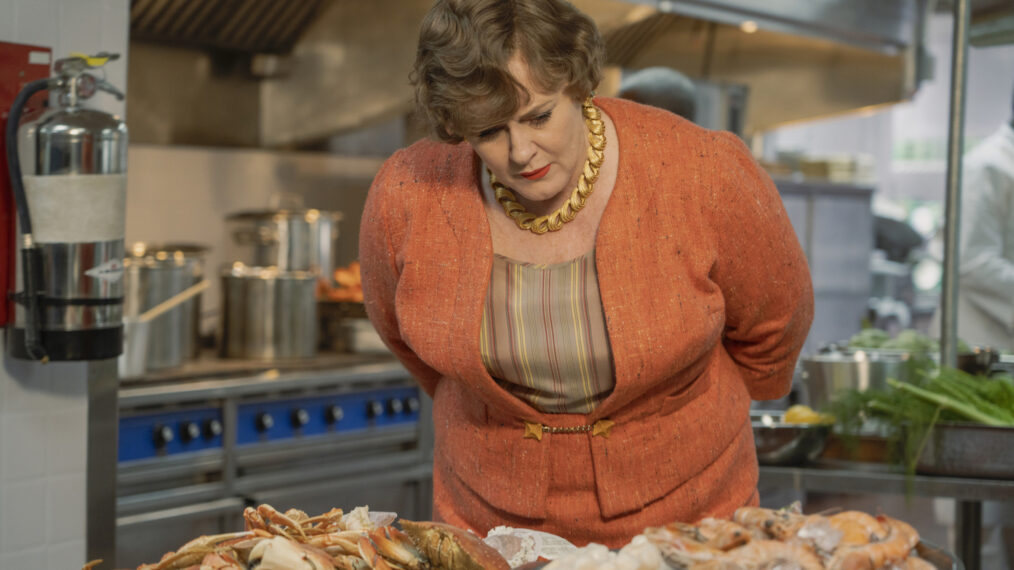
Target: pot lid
(149, 249)
(240, 270)
(309, 214)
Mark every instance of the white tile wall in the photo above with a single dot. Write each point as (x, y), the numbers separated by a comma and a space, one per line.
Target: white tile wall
(66, 451)
(34, 558)
(24, 515)
(63, 556)
(64, 508)
(24, 457)
(43, 408)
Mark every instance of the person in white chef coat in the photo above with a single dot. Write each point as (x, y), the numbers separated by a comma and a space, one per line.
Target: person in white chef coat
(985, 305)
(986, 258)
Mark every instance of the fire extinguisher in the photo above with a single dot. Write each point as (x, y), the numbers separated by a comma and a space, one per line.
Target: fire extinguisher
(68, 176)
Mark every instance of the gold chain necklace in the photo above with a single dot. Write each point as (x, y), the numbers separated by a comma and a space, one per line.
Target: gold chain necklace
(585, 184)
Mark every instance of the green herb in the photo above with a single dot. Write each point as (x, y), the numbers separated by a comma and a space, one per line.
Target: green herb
(908, 411)
(908, 340)
(949, 403)
(869, 338)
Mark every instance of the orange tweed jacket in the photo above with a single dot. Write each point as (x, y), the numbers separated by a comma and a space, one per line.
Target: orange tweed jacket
(706, 294)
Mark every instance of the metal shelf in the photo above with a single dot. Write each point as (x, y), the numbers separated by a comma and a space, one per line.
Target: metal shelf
(875, 478)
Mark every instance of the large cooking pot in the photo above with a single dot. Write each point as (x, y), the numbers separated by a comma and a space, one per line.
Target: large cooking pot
(153, 274)
(290, 240)
(834, 370)
(268, 314)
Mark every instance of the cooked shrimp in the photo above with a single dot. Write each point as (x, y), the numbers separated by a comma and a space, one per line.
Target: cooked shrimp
(678, 545)
(686, 531)
(723, 534)
(899, 541)
(857, 528)
(685, 554)
(819, 534)
(765, 554)
(776, 524)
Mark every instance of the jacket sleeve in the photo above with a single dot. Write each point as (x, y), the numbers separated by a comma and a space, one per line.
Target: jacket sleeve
(762, 272)
(380, 232)
(987, 277)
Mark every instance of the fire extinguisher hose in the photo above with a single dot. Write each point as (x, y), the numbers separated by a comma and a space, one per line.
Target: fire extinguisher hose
(30, 256)
(11, 140)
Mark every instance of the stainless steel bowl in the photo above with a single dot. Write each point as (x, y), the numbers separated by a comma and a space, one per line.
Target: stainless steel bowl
(781, 443)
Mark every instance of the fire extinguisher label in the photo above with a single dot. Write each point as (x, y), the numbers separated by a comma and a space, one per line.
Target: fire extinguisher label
(38, 58)
(110, 271)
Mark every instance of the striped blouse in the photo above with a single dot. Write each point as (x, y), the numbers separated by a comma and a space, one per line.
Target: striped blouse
(543, 335)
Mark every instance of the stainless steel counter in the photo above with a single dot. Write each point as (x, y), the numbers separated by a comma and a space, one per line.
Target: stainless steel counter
(214, 378)
(873, 478)
(855, 477)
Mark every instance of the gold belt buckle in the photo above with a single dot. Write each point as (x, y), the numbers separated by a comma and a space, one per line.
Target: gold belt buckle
(601, 428)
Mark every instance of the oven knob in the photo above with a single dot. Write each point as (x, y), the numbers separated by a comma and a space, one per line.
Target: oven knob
(163, 435)
(300, 418)
(374, 409)
(212, 428)
(412, 404)
(189, 431)
(334, 414)
(395, 406)
(265, 422)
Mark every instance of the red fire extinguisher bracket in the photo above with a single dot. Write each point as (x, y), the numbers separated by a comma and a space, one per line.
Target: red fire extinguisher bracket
(20, 64)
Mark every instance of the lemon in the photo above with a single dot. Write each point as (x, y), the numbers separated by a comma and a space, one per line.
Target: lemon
(801, 414)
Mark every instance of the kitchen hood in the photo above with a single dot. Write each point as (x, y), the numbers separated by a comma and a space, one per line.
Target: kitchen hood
(799, 59)
(251, 26)
(880, 25)
(293, 74)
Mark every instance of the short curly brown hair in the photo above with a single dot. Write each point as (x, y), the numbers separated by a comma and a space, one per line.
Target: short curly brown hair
(462, 85)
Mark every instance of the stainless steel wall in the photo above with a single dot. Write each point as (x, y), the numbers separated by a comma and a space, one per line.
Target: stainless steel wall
(182, 194)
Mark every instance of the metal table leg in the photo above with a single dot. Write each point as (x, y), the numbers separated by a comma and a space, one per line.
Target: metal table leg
(103, 424)
(968, 532)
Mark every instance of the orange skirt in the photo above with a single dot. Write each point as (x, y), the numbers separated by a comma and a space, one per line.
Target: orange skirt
(572, 509)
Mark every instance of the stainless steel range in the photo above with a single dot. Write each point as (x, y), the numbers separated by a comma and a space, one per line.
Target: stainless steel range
(198, 445)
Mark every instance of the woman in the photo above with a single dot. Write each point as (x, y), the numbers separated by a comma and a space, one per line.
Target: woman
(590, 289)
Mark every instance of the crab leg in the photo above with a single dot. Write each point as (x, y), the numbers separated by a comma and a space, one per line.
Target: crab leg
(270, 514)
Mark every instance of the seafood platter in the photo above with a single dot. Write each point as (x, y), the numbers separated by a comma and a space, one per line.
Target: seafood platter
(754, 538)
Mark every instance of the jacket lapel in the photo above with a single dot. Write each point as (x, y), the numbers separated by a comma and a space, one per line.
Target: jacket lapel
(612, 242)
(462, 205)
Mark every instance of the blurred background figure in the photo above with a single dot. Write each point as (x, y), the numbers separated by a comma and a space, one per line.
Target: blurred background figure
(662, 87)
(985, 305)
(986, 283)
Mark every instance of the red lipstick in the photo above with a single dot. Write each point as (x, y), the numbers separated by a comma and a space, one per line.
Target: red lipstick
(536, 174)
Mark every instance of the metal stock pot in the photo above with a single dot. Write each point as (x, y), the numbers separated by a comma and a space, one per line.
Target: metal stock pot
(290, 240)
(153, 274)
(834, 370)
(268, 314)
